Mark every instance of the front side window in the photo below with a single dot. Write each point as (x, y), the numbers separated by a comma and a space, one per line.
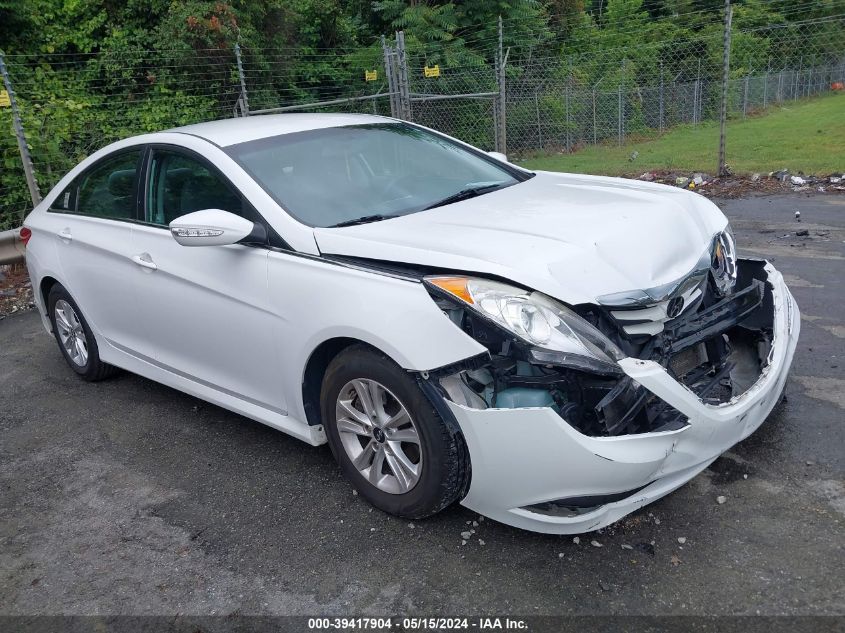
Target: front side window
(180, 184)
(332, 176)
(107, 190)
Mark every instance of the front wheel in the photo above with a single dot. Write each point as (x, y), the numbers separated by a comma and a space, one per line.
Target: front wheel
(389, 440)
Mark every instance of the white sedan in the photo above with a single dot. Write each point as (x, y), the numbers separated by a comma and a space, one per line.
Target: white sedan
(554, 351)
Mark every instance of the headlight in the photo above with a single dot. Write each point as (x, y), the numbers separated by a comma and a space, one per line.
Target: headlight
(723, 262)
(557, 335)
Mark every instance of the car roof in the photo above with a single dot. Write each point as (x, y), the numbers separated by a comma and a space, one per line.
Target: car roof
(225, 132)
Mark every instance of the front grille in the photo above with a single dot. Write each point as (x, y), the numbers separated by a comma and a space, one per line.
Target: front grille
(650, 320)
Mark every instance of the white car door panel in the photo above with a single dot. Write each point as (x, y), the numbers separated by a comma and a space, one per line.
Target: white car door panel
(91, 222)
(95, 259)
(206, 308)
(207, 314)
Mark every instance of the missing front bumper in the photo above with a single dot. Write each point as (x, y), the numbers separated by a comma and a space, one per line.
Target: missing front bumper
(524, 457)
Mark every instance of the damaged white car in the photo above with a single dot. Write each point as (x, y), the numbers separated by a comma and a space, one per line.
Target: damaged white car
(552, 351)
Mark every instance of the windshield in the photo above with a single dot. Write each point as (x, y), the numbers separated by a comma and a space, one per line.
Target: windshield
(369, 172)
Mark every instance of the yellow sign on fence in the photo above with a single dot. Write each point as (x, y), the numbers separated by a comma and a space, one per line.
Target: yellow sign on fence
(370, 75)
(432, 71)
(5, 102)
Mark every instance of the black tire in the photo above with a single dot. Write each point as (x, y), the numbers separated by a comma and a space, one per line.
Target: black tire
(444, 456)
(94, 369)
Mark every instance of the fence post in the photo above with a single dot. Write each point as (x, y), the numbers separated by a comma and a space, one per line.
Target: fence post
(503, 114)
(568, 117)
(619, 124)
(696, 102)
(594, 117)
(390, 72)
(404, 88)
(766, 86)
(244, 98)
(539, 126)
(26, 159)
(745, 93)
(660, 118)
(726, 67)
(619, 115)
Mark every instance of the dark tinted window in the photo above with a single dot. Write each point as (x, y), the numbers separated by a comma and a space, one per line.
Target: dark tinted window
(180, 184)
(107, 190)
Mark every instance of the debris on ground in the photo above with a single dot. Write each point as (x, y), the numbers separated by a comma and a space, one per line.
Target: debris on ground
(596, 544)
(466, 535)
(576, 540)
(721, 499)
(626, 546)
(732, 186)
(481, 542)
(682, 539)
(15, 290)
(675, 560)
(604, 586)
(648, 548)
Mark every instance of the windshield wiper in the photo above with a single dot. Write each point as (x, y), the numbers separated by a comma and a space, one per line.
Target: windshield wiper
(465, 194)
(365, 219)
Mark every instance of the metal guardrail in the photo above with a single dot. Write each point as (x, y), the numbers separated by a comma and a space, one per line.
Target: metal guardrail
(11, 247)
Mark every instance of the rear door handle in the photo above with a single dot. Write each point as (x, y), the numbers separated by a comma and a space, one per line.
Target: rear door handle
(65, 235)
(144, 260)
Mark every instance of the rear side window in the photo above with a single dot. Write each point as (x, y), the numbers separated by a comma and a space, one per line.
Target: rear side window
(180, 184)
(106, 190)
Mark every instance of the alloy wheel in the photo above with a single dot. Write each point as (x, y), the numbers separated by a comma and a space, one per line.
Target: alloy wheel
(71, 333)
(379, 436)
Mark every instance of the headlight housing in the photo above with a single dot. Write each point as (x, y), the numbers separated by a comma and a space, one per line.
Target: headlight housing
(723, 262)
(556, 334)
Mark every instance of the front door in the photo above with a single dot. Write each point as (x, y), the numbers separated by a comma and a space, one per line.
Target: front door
(205, 307)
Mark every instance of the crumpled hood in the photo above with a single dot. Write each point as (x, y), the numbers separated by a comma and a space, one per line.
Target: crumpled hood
(572, 237)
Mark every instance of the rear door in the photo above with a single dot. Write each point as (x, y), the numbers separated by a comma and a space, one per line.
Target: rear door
(92, 221)
(206, 307)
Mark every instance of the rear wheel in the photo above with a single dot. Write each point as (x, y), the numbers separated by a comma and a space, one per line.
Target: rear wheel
(389, 440)
(74, 336)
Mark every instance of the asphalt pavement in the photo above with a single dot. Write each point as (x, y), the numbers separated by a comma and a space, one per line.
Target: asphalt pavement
(127, 497)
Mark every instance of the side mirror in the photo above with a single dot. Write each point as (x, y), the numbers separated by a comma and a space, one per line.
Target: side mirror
(210, 227)
(498, 156)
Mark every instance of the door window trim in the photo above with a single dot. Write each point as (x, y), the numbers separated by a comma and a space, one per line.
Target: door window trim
(274, 240)
(77, 181)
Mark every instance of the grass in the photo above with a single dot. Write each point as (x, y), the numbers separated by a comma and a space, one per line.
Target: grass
(807, 136)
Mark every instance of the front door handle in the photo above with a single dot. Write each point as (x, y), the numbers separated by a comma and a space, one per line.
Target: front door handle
(145, 261)
(66, 235)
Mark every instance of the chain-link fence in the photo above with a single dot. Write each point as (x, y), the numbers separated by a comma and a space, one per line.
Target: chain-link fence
(523, 97)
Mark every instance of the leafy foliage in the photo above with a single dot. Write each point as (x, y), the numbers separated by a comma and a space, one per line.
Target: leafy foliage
(87, 72)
